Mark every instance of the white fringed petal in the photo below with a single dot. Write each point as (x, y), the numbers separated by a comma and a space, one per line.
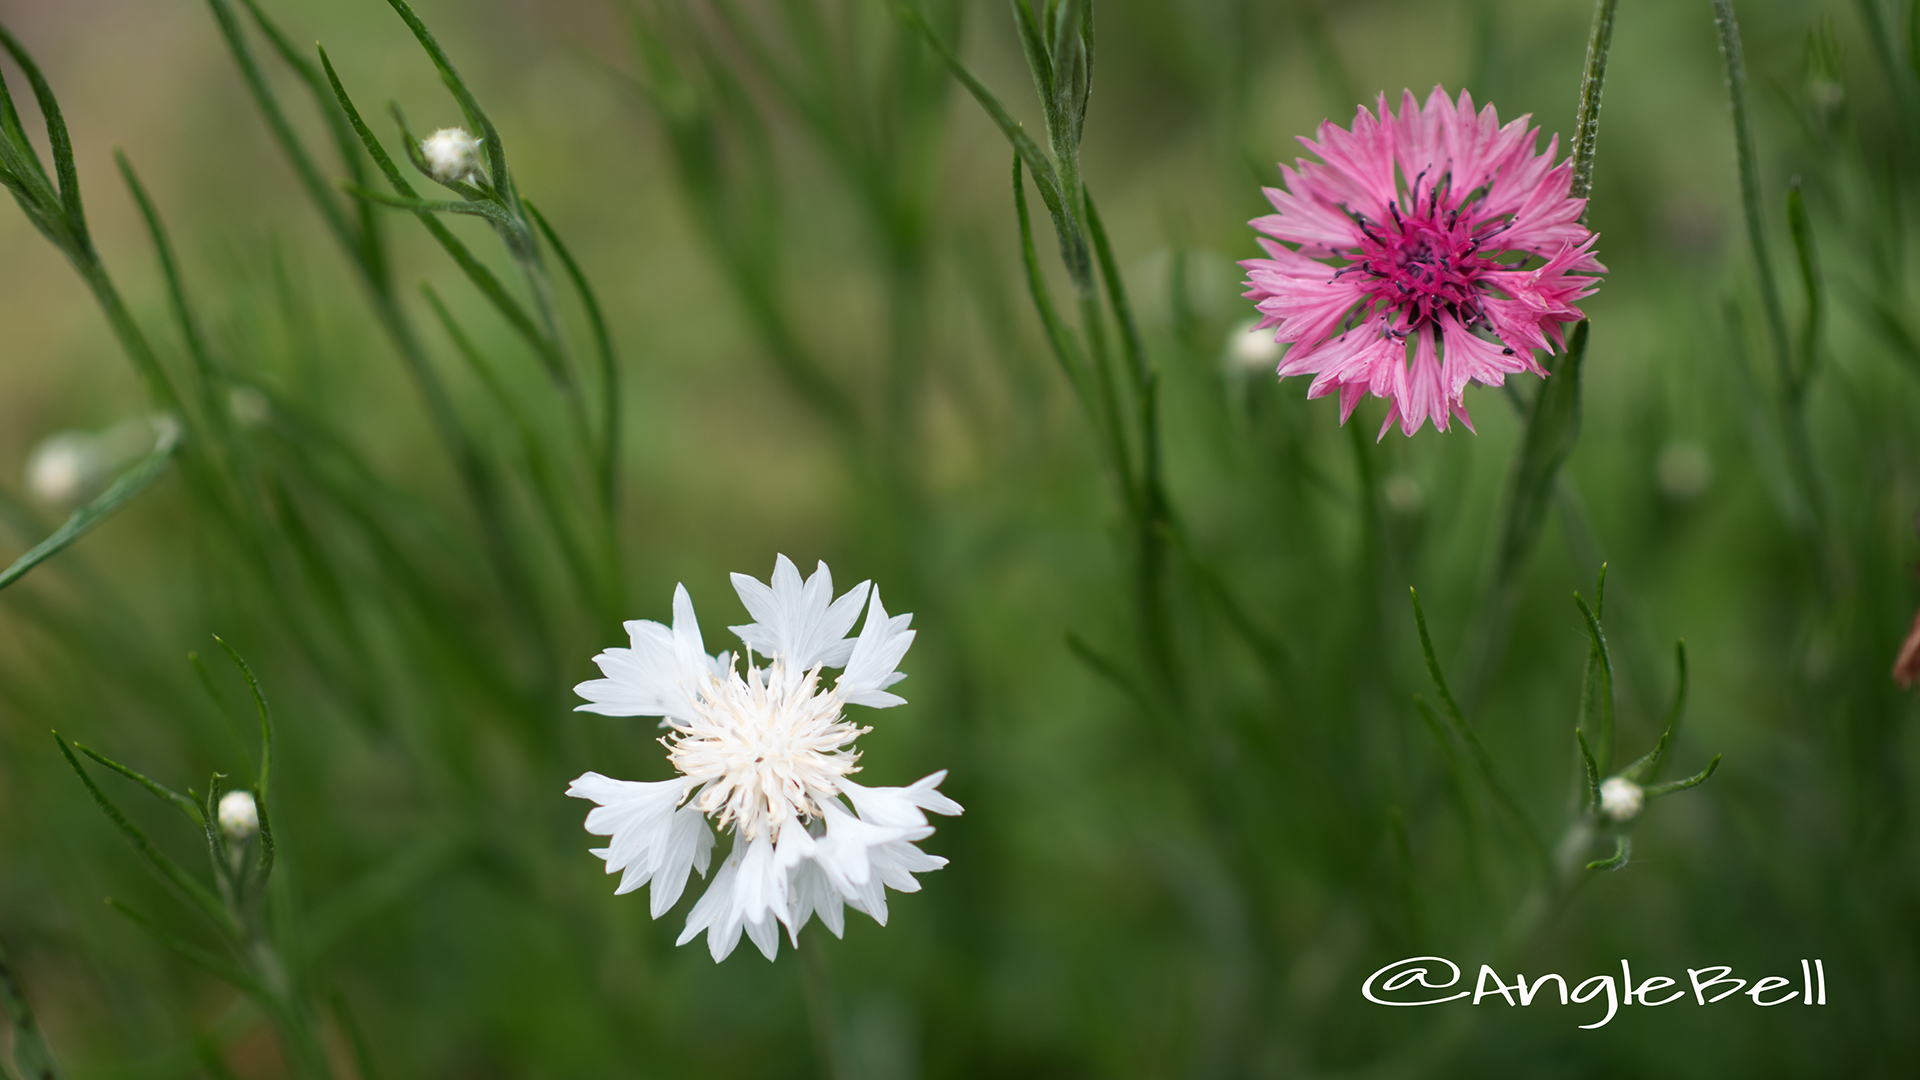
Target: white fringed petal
(901, 806)
(801, 622)
(876, 655)
(661, 674)
(748, 894)
(650, 839)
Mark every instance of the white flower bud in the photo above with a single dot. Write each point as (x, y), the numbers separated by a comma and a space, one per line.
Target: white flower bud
(1251, 349)
(1620, 798)
(453, 156)
(239, 817)
(62, 468)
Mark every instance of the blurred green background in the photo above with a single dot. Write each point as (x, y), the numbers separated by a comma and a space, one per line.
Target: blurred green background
(811, 269)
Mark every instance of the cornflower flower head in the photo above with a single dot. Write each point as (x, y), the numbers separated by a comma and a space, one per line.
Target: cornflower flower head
(238, 815)
(765, 752)
(1621, 798)
(453, 155)
(1456, 243)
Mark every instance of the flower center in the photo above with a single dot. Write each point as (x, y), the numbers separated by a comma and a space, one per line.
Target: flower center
(1428, 259)
(764, 750)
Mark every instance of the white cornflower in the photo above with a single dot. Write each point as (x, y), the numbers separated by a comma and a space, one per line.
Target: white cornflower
(239, 817)
(765, 752)
(1621, 798)
(453, 156)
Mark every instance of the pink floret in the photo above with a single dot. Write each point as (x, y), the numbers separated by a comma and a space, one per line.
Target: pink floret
(1457, 253)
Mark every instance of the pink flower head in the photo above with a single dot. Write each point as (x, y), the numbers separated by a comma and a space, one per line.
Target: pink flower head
(1470, 258)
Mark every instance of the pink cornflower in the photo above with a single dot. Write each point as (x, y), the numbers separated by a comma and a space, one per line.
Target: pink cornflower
(1470, 258)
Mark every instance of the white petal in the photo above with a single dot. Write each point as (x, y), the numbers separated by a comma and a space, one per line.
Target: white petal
(766, 934)
(812, 893)
(712, 911)
(808, 890)
(799, 621)
(877, 652)
(651, 840)
(660, 674)
(901, 806)
(689, 847)
(843, 854)
(749, 893)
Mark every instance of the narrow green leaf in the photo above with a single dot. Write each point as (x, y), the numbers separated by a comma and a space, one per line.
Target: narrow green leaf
(1647, 769)
(1590, 769)
(136, 479)
(266, 717)
(1553, 426)
(469, 105)
(372, 252)
(1750, 201)
(1622, 850)
(20, 166)
(1109, 670)
(295, 149)
(58, 143)
(31, 1055)
(205, 960)
(1065, 348)
(1598, 640)
(472, 207)
(217, 851)
(1800, 227)
(160, 791)
(213, 409)
(1456, 770)
(1130, 340)
(1433, 662)
(1033, 45)
(1695, 780)
(191, 890)
(603, 349)
(1044, 176)
(1483, 761)
(1586, 131)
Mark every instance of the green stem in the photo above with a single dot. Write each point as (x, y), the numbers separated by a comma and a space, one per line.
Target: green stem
(823, 1008)
(1586, 132)
(1750, 184)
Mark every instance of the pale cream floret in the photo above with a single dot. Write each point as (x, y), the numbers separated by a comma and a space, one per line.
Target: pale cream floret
(1620, 798)
(239, 816)
(452, 155)
(764, 750)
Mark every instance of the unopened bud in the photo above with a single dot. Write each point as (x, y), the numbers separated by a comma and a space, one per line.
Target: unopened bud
(62, 468)
(453, 156)
(1620, 798)
(1252, 348)
(239, 817)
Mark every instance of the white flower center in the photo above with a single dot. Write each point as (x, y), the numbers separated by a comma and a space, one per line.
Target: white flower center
(764, 750)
